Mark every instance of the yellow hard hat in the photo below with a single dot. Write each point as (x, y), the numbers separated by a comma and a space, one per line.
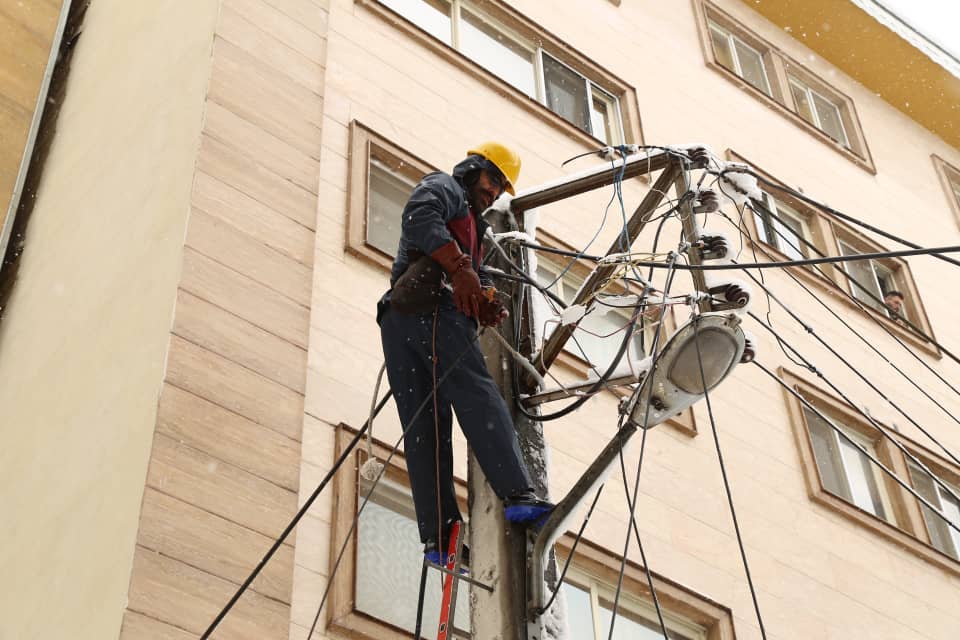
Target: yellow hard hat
(503, 158)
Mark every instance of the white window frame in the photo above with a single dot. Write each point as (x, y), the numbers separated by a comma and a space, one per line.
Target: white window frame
(375, 164)
(845, 249)
(810, 93)
(954, 537)
(628, 603)
(537, 53)
(732, 39)
(785, 211)
(842, 446)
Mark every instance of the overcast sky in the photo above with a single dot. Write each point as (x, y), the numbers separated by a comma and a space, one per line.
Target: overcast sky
(938, 20)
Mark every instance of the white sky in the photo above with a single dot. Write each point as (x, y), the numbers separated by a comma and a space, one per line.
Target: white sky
(938, 20)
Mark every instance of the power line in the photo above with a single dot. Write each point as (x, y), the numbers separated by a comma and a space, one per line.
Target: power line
(859, 447)
(654, 352)
(858, 334)
(856, 372)
(296, 518)
(838, 214)
(726, 481)
(883, 430)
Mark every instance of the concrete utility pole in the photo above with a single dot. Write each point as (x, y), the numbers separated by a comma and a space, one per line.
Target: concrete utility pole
(498, 549)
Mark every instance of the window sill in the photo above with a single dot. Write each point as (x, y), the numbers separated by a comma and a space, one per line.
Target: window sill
(632, 131)
(865, 162)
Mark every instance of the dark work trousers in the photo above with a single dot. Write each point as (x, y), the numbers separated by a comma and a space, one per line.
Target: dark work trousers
(469, 389)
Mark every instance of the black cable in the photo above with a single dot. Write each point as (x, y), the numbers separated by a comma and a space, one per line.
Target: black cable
(631, 500)
(859, 447)
(573, 549)
(883, 430)
(726, 481)
(376, 481)
(839, 214)
(296, 518)
(860, 336)
(856, 372)
(918, 330)
(878, 321)
(654, 352)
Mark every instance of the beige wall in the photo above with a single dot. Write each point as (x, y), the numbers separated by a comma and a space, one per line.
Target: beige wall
(818, 574)
(85, 337)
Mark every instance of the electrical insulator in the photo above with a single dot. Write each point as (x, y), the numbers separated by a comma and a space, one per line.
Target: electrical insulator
(735, 295)
(699, 157)
(709, 202)
(715, 247)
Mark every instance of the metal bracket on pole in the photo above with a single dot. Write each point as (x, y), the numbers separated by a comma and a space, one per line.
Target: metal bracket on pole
(540, 541)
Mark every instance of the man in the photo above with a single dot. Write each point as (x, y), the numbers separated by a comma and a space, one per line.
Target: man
(425, 341)
(894, 302)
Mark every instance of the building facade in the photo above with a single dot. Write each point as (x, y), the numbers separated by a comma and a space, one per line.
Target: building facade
(191, 339)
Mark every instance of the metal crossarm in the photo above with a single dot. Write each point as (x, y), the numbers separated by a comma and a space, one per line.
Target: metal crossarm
(555, 343)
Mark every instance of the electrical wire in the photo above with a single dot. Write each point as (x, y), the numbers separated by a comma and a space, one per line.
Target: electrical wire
(296, 518)
(843, 272)
(863, 339)
(883, 430)
(631, 501)
(654, 352)
(726, 480)
(859, 447)
(839, 214)
(856, 371)
(376, 481)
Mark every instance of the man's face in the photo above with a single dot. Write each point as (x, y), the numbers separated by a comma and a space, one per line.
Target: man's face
(484, 191)
(894, 302)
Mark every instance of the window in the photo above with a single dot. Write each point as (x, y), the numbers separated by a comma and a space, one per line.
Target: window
(389, 559)
(590, 611)
(739, 57)
(387, 193)
(870, 280)
(784, 227)
(522, 55)
(840, 477)
(785, 230)
(773, 77)
(600, 333)
(950, 178)
(381, 177)
(942, 536)
(819, 111)
(844, 469)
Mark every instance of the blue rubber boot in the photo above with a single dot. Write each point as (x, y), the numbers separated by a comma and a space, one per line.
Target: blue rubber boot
(527, 509)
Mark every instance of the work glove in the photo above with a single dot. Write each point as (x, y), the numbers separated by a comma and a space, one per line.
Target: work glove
(492, 311)
(467, 291)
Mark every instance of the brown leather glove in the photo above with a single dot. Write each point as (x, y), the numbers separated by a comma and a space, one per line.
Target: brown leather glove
(492, 312)
(467, 291)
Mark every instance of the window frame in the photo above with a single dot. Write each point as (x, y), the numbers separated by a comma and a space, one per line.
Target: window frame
(367, 145)
(825, 232)
(779, 68)
(950, 179)
(344, 620)
(732, 39)
(910, 531)
(684, 422)
(528, 32)
(812, 93)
